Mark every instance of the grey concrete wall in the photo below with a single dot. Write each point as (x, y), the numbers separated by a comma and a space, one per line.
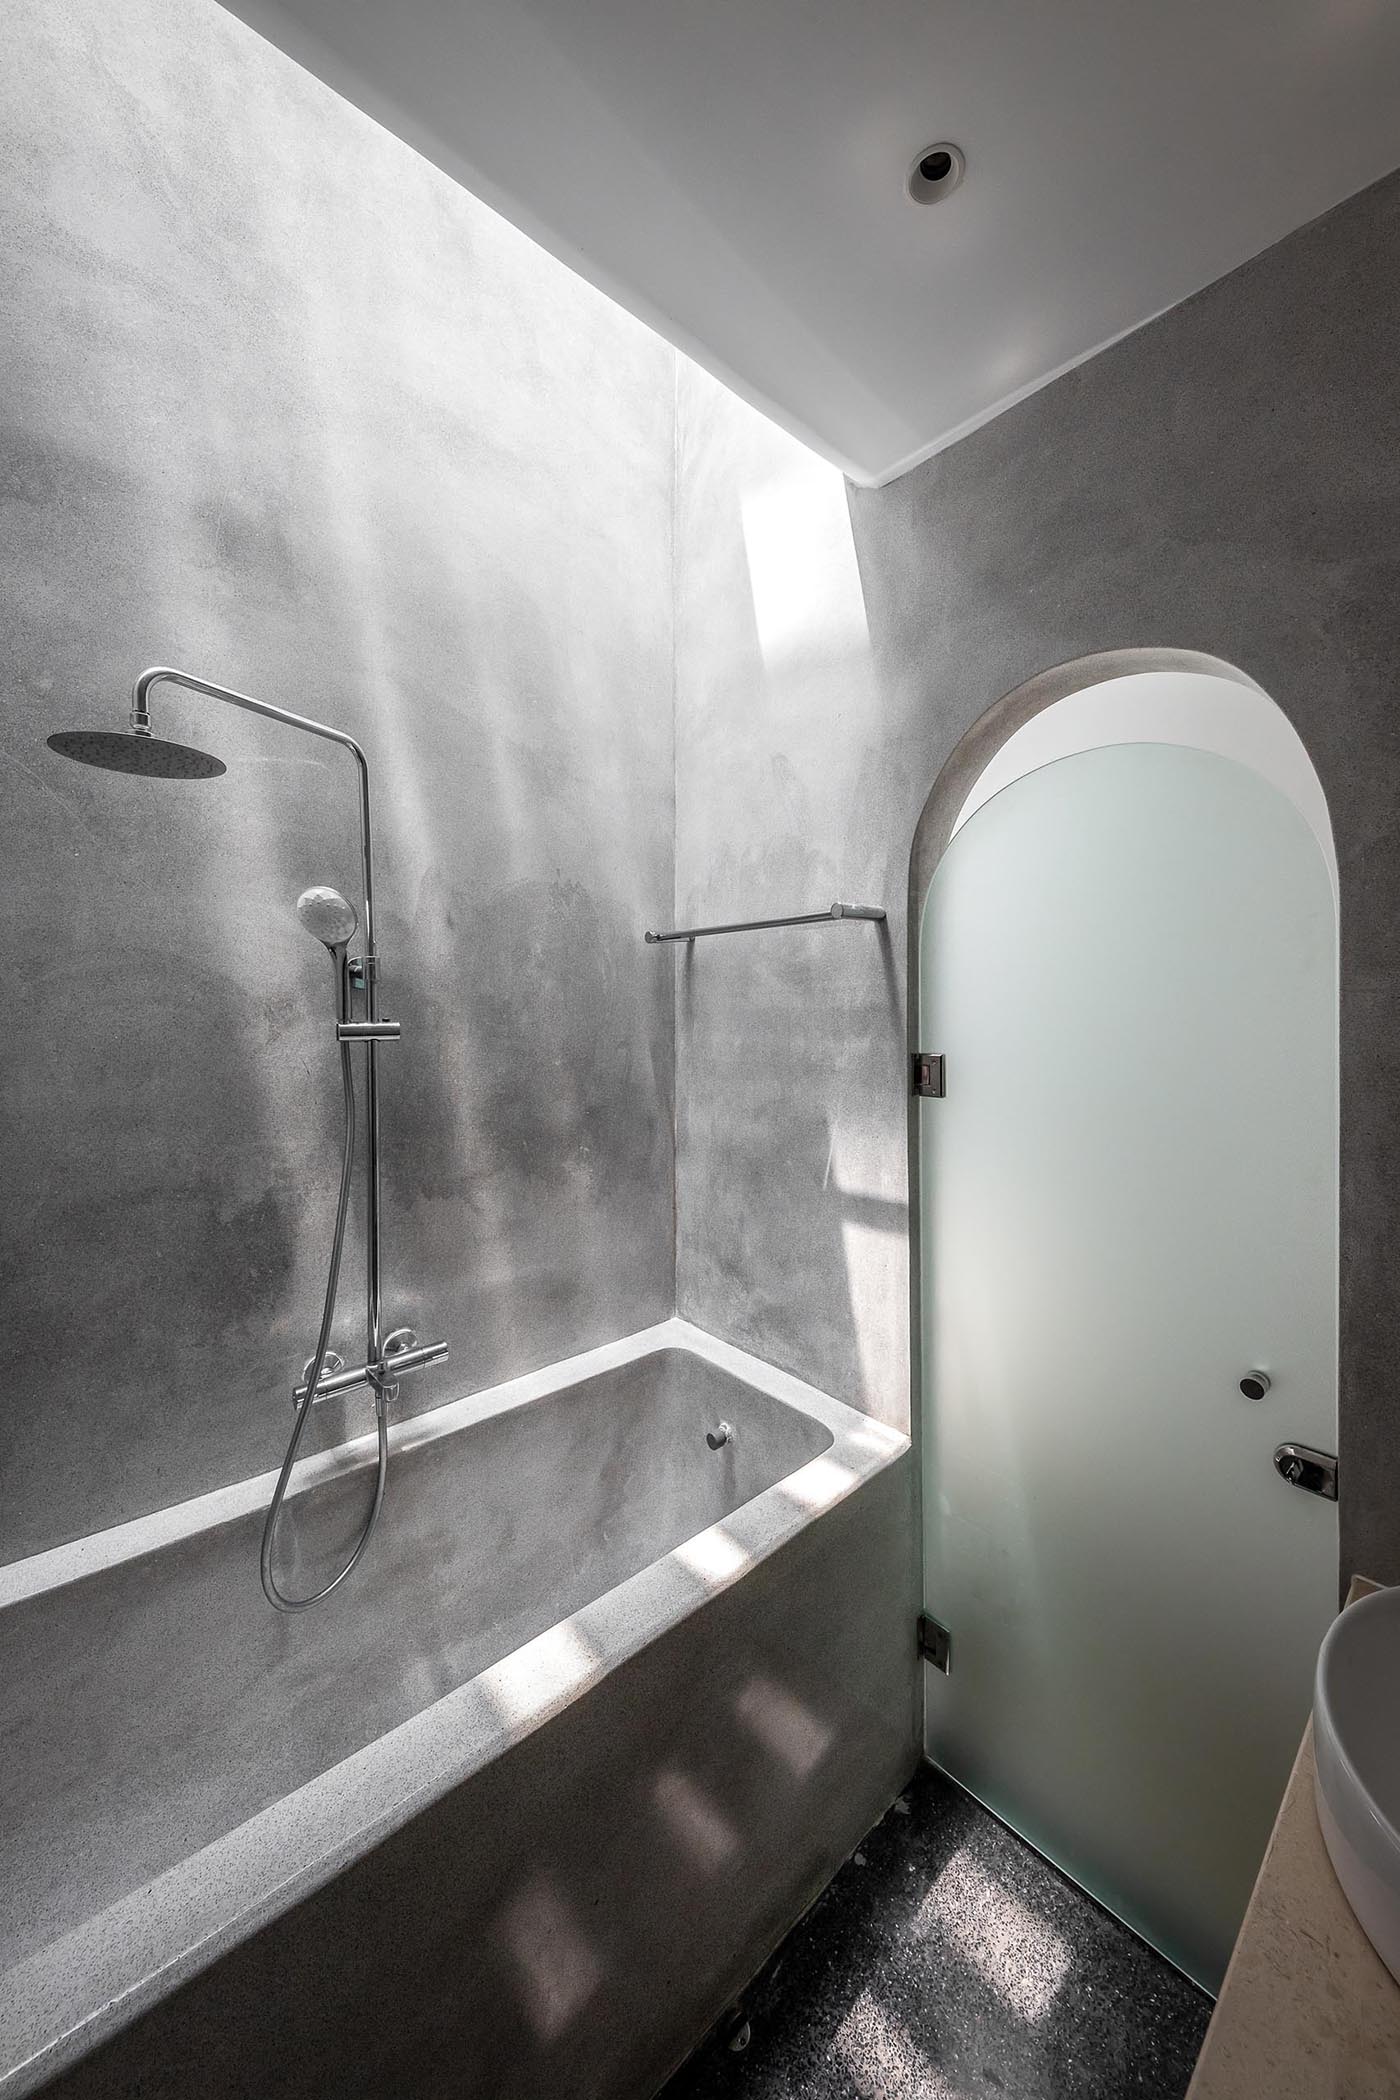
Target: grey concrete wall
(792, 1215)
(1224, 480)
(281, 403)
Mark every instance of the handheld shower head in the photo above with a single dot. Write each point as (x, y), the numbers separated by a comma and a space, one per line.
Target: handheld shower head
(327, 915)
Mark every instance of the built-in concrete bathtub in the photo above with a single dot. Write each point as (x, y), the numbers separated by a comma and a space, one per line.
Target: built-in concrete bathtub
(519, 1809)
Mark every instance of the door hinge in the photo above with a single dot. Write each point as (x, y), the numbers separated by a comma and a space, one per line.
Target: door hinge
(935, 1643)
(927, 1075)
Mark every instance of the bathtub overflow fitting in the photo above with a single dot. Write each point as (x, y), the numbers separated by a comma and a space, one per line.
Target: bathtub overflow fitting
(715, 1438)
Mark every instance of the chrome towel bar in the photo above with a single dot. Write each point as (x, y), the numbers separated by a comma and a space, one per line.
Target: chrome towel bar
(804, 918)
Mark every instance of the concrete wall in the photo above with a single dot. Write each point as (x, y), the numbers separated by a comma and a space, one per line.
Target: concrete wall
(1224, 481)
(284, 405)
(790, 1045)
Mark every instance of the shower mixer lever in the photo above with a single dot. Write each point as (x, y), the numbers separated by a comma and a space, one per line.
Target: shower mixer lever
(397, 1359)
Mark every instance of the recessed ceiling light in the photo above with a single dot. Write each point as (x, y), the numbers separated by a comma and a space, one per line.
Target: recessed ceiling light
(936, 173)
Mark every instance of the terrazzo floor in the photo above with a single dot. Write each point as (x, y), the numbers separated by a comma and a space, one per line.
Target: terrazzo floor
(949, 1961)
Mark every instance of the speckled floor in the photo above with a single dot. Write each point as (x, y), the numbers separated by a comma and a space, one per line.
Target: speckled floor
(948, 1961)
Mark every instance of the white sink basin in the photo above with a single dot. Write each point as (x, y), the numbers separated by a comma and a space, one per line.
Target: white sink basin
(1356, 1726)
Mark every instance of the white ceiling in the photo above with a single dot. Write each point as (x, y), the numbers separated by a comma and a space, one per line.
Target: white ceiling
(733, 170)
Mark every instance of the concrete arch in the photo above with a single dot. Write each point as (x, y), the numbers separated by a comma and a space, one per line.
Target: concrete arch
(954, 794)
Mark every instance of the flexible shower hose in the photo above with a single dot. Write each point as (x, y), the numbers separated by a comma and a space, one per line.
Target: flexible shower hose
(278, 1599)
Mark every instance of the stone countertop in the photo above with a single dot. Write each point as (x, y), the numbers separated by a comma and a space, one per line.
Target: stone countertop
(1308, 2010)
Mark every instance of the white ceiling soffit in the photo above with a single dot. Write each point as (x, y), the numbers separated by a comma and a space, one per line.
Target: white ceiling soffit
(734, 170)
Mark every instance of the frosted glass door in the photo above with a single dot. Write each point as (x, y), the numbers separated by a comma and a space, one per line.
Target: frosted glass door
(1128, 960)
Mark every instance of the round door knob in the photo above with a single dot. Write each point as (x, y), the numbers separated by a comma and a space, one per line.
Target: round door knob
(1255, 1384)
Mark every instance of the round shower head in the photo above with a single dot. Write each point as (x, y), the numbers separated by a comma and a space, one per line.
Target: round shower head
(327, 915)
(122, 751)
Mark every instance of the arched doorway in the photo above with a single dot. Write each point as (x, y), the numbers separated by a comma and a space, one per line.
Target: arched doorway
(1124, 947)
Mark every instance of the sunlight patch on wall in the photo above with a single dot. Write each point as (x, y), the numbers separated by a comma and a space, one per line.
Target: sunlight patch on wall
(807, 596)
(864, 1179)
(558, 1969)
(877, 1269)
(706, 1836)
(784, 1726)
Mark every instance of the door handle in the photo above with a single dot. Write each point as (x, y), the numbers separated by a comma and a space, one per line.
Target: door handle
(1303, 1467)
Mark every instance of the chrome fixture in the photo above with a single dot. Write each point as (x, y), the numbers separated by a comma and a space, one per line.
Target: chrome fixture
(127, 751)
(1303, 1467)
(331, 1363)
(805, 918)
(367, 1031)
(719, 1436)
(401, 1353)
(332, 920)
(329, 918)
(1255, 1384)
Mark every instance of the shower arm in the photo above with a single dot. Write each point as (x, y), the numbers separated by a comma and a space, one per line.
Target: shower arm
(163, 674)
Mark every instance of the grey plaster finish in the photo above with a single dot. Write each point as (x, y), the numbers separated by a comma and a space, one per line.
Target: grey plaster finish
(284, 404)
(1221, 482)
(157, 1705)
(790, 1044)
(573, 1859)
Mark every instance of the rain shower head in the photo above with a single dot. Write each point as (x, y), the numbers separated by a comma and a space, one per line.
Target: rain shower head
(327, 915)
(124, 751)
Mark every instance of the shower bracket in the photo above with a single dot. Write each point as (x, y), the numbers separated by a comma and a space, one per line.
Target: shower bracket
(380, 1031)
